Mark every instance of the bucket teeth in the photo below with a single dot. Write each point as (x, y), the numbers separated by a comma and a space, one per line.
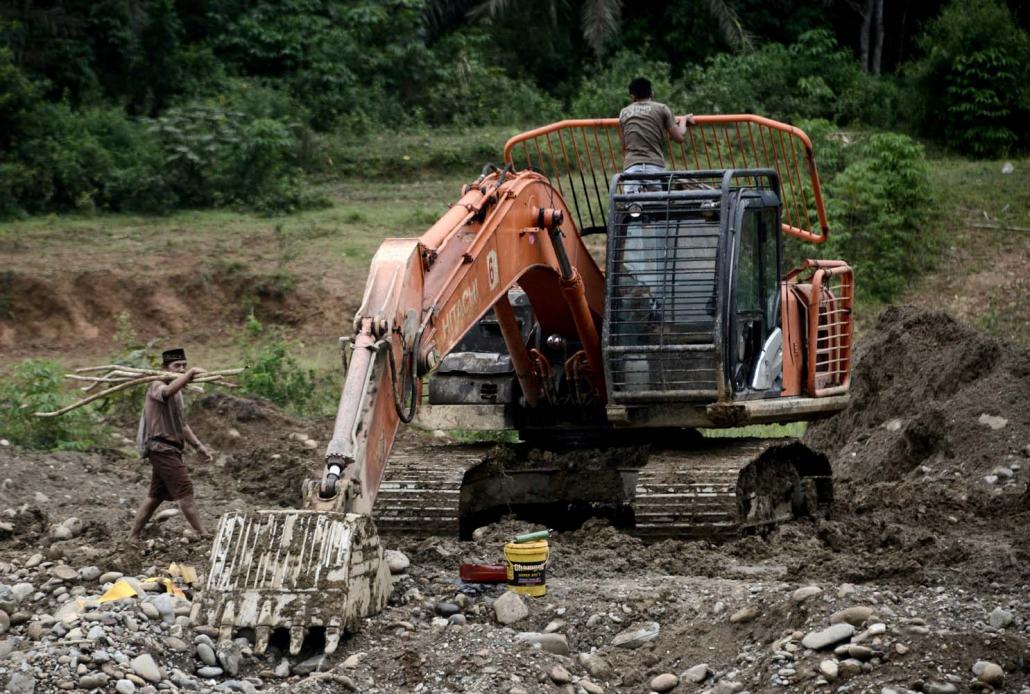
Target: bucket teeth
(261, 636)
(296, 639)
(332, 639)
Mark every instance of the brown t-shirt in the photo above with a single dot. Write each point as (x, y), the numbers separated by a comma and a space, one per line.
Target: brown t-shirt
(643, 125)
(163, 419)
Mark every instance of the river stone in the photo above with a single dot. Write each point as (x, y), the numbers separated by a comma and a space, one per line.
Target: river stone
(817, 640)
(664, 682)
(697, 674)
(164, 514)
(20, 591)
(510, 608)
(990, 673)
(64, 573)
(854, 616)
(209, 672)
(446, 609)
(744, 614)
(125, 687)
(1000, 618)
(144, 666)
(230, 656)
(829, 669)
(559, 675)
(149, 610)
(206, 654)
(5, 622)
(93, 680)
(165, 605)
(636, 635)
(552, 643)
(89, 573)
(591, 688)
(396, 561)
(802, 594)
(109, 577)
(939, 688)
(596, 665)
(21, 683)
(34, 561)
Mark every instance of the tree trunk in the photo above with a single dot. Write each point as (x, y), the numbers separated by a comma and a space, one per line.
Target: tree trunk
(867, 23)
(878, 45)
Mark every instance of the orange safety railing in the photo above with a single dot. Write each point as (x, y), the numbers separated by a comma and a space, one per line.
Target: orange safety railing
(581, 156)
(829, 327)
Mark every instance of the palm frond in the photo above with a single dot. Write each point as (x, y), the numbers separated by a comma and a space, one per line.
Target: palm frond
(490, 8)
(601, 21)
(730, 26)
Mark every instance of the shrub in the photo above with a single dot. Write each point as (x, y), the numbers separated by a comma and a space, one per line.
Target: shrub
(461, 74)
(273, 372)
(35, 386)
(604, 94)
(970, 89)
(812, 78)
(879, 208)
(216, 157)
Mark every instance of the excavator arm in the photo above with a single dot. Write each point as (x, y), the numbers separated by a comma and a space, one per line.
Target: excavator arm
(321, 568)
(423, 295)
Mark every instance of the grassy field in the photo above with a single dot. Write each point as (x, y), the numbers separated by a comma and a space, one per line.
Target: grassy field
(981, 269)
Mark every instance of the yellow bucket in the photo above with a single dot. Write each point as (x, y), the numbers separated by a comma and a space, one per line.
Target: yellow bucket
(527, 567)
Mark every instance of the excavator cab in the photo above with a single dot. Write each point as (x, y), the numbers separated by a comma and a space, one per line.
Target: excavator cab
(693, 268)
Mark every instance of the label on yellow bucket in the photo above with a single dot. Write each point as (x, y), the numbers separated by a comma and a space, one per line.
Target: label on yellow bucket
(527, 567)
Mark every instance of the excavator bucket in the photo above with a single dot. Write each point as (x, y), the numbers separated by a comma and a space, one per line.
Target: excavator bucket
(298, 571)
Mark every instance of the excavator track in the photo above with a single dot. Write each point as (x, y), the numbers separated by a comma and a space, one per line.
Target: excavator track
(715, 490)
(421, 493)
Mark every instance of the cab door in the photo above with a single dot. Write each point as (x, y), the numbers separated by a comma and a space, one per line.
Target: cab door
(753, 361)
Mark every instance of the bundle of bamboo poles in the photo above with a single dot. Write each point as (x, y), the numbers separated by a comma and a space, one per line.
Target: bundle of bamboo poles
(125, 377)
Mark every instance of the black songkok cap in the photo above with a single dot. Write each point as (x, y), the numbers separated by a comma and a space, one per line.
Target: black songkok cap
(172, 355)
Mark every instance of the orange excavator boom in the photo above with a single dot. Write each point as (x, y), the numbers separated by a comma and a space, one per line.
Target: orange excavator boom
(423, 295)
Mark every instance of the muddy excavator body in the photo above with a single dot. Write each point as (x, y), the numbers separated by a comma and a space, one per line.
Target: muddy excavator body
(502, 308)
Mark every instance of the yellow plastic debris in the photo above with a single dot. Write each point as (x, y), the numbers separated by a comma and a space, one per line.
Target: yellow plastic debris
(120, 589)
(184, 572)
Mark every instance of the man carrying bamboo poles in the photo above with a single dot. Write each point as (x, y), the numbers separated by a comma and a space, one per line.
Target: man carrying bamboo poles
(163, 433)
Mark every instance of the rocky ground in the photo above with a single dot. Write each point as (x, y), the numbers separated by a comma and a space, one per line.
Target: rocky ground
(917, 582)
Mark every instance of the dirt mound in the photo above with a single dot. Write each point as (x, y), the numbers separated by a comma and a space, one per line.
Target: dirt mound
(922, 385)
(929, 458)
(269, 458)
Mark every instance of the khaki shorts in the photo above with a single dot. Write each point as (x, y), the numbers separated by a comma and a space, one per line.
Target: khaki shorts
(170, 480)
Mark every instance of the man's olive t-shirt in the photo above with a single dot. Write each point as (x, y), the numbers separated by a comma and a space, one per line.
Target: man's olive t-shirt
(163, 418)
(643, 125)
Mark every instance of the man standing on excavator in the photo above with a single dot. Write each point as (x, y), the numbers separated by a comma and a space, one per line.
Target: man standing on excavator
(642, 127)
(163, 432)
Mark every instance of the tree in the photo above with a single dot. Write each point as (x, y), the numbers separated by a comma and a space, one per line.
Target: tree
(600, 20)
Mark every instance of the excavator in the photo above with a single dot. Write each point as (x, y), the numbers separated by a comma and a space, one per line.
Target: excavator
(686, 321)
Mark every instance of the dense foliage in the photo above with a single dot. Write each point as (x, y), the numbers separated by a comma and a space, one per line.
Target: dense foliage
(163, 104)
(33, 386)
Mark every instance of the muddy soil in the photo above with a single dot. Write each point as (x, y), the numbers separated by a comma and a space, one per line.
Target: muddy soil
(928, 530)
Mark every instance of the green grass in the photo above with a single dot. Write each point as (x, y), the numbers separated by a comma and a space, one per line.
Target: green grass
(760, 431)
(980, 260)
(412, 154)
